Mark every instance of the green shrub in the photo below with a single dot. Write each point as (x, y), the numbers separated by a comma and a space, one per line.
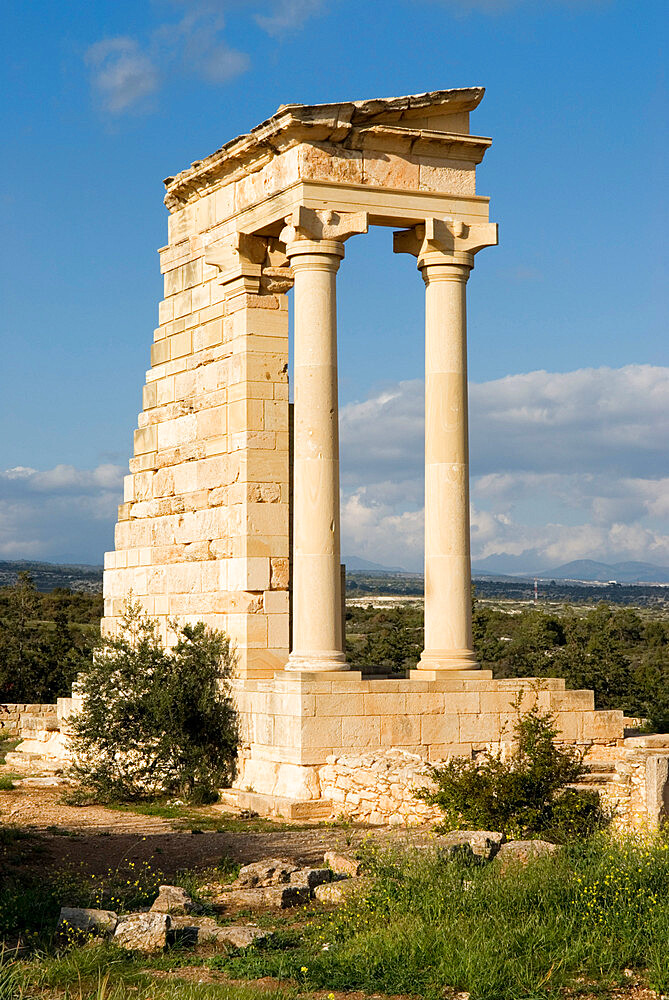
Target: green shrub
(156, 721)
(523, 794)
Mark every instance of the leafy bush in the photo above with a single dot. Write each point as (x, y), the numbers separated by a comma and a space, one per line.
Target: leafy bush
(525, 793)
(156, 721)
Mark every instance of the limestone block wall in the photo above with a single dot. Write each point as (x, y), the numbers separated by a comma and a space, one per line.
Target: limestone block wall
(291, 725)
(380, 787)
(203, 530)
(638, 799)
(19, 717)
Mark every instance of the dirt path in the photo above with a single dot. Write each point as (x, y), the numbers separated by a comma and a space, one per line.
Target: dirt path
(97, 838)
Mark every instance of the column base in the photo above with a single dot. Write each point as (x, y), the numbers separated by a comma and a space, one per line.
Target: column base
(312, 663)
(448, 660)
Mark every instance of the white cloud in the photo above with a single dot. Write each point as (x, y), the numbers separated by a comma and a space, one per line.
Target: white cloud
(288, 14)
(564, 466)
(501, 6)
(62, 513)
(126, 71)
(122, 73)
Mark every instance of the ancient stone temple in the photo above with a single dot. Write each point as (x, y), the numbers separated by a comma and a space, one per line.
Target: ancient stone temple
(231, 514)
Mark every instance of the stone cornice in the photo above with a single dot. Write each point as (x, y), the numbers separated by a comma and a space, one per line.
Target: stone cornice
(349, 124)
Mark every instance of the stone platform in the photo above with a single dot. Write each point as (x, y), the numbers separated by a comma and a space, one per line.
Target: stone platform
(291, 723)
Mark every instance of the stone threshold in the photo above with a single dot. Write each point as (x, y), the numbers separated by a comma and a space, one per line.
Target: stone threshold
(274, 805)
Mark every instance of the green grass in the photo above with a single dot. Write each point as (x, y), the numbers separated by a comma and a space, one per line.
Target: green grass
(205, 819)
(422, 923)
(105, 973)
(7, 744)
(592, 912)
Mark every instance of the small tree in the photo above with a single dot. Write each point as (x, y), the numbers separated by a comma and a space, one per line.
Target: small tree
(524, 794)
(154, 720)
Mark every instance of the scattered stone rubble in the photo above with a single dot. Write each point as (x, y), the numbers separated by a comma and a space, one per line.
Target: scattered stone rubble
(145, 932)
(275, 883)
(522, 851)
(172, 899)
(87, 921)
(482, 845)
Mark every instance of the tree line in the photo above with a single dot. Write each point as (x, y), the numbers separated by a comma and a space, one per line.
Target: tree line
(45, 640)
(616, 652)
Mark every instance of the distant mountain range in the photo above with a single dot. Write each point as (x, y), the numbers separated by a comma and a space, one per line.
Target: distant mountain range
(587, 570)
(356, 565)
(598, 572)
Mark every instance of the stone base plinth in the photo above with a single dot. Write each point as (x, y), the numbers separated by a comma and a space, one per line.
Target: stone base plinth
(291, 723)
(275, 805)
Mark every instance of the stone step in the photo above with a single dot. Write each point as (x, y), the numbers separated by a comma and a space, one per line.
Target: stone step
(274, 805)
(30, 723)
(601, 766)
(20, 761)
(598, 779)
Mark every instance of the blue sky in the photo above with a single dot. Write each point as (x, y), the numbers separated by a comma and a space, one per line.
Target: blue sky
(105, 99)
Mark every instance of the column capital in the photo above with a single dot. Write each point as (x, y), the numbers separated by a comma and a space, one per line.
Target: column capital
(249, 264)
(316, 224)
(446, 241)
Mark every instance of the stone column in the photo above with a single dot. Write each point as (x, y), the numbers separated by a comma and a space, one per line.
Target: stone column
(448, 619)
(317, 634)
(445, 252)
(314, 243)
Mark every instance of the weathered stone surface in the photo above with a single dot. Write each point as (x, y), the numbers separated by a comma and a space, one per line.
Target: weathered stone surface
(343, 864)
(337, 892)
(142, 931)
(277, 897)
(380, 786)
(241, 935)
(269, 871)
(522, 851)
(87, 921)
(483, 844)
(205, 930)
(172, 899)
(311, 876)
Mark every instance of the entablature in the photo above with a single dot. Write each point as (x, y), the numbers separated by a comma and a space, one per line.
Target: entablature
(434, 124)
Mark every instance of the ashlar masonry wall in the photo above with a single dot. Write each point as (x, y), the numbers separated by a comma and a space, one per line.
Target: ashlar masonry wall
(203, 530)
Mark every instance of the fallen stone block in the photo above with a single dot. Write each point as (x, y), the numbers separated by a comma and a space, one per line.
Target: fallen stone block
(482, 844)
(86, 921)
(172, 899)
(311, 876)
(338, 892)
(520, 852)
(205, 930)
(277, 897)
(145, 932)
(343, 864)
(269, 871)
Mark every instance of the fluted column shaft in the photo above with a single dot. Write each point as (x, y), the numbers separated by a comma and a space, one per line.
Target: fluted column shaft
(317, 629)
(448, 619)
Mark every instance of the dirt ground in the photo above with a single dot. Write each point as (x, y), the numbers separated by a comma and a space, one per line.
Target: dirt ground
(97, 838)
